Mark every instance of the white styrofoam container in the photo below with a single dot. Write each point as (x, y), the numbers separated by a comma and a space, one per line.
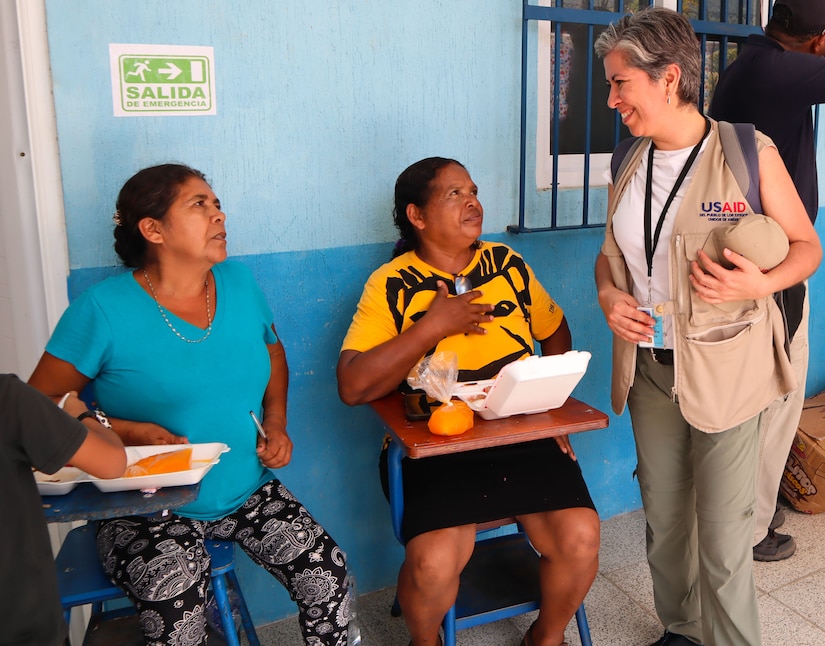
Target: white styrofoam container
(204, 457)
(532, 385)
(59, 483)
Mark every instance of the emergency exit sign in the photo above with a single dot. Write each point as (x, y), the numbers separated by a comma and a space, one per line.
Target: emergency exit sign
(162, 80)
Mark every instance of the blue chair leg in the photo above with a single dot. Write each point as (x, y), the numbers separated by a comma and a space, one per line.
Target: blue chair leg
(246, 618)
(222, 556)
(396, 485)
(584, 627)
(449, 627)
(225, 609)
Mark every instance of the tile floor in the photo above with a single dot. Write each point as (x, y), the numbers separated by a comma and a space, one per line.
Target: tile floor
(620, 603)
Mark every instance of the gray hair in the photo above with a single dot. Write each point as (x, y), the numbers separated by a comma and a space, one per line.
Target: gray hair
(653, 38)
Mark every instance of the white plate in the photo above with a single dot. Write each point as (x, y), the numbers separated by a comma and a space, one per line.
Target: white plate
(204, 457)
(59, 483)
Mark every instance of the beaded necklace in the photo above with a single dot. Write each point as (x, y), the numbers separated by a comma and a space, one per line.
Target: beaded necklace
(169, 323)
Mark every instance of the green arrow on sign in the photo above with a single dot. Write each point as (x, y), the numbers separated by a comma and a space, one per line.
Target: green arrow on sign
(163, 69)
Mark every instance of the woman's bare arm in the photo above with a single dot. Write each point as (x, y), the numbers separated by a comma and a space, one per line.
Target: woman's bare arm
(55, 377)
(276, 452)
(780, 201)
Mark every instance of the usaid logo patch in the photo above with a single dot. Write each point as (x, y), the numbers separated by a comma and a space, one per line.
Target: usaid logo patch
(723, 211)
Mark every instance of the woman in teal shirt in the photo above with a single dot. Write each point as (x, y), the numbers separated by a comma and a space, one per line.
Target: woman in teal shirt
(180, 350)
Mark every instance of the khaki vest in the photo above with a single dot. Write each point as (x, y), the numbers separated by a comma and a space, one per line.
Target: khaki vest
(729, 359)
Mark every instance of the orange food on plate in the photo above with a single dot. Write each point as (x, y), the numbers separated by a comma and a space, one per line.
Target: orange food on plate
(180, 460)
(451, 419)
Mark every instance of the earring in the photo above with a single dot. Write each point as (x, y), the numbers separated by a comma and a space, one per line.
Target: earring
(668, 98)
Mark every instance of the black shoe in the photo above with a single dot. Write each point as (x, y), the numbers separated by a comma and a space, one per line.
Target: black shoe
(672, 639)
(778, 518)
(774, 547)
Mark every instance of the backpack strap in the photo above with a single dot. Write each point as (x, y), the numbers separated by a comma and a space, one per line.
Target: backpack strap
(620, 158)
(739, 145)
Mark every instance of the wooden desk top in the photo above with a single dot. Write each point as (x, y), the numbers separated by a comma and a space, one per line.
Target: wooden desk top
(574, 416)
(87, 502)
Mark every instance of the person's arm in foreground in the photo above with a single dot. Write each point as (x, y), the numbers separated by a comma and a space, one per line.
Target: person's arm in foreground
(54, 377)
(101, 453)
(366, 376)
(277, 450)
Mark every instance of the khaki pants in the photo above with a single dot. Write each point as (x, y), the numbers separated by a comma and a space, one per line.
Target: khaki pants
(777, 429)
(698, 491)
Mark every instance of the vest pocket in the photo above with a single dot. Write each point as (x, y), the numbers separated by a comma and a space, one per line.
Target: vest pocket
(701, 313)
(720, 334)
(725, 359)
(727, 373)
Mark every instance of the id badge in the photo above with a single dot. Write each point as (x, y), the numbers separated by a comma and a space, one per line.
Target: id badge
(658, 338)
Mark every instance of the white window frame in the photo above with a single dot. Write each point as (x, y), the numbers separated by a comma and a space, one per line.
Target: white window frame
(571, 167)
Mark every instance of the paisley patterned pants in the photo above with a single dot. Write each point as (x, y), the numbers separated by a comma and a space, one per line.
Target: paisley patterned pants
(163, 566)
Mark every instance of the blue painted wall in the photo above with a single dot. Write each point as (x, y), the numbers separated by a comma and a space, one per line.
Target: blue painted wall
(320, 106)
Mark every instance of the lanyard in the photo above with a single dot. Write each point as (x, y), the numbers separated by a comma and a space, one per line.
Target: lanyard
(651, 242)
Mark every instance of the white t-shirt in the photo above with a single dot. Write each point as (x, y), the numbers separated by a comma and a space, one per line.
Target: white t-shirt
(628, 223)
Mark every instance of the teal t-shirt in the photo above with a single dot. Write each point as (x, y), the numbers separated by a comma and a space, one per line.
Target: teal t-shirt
(114, 334)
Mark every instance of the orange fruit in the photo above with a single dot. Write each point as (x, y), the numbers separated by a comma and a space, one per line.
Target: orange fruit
(180, 460)
(451, 419)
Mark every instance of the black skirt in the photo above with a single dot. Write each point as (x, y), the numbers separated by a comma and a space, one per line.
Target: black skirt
(487, 484)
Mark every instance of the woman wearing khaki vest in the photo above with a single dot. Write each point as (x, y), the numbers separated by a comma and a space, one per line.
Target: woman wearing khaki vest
(717, 356)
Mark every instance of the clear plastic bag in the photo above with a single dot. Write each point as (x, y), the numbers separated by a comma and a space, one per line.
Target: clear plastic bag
(436, 375)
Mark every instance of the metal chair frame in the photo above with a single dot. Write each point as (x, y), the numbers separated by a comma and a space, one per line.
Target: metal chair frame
(501, 579)
(81, 581)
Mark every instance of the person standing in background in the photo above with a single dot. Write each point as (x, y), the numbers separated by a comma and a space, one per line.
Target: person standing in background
(773, 83)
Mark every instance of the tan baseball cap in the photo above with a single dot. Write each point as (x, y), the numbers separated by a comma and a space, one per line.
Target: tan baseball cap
(758, 238)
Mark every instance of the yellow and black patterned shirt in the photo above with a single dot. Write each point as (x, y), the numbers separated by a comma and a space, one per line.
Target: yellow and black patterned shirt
(398, 294)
